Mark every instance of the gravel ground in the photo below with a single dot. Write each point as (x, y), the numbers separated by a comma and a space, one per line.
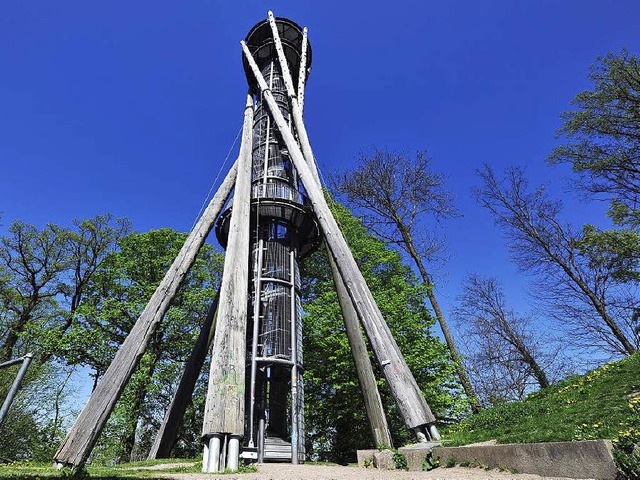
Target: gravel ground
(282, 471)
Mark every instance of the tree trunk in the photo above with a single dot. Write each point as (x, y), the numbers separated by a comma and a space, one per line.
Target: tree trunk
(474, 401)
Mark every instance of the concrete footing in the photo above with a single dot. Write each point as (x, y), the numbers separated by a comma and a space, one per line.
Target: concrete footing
(585, 459)
(415, 456)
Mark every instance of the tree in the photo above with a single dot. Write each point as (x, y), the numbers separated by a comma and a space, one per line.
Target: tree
(43, 279)
(507, 355)
(604, 134)
(335, 418)
(394, 194)
(34, 262)
(582, 294)
(603, 146)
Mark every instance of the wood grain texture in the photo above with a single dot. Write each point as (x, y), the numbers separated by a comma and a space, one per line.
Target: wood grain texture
(366, 378)
(225, 405)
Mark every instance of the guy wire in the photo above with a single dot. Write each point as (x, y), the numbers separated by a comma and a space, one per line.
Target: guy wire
(204, 204)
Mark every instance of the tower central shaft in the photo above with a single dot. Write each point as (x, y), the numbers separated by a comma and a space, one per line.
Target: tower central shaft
(282, 230)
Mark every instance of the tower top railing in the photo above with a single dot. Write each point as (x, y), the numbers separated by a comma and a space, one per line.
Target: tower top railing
(263, 49)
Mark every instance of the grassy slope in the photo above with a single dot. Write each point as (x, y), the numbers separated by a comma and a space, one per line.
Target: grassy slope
(584, 407)
(27, 470)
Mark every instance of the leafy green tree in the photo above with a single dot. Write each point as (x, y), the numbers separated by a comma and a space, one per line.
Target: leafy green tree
(602, 144)
(335, 415)
(43, 278)
(115, 297)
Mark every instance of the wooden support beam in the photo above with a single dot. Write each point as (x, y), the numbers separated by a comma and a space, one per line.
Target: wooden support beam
(302, 74)
(368, 385)
(284, 66)
(295, 108)
(411, 403)
(79, 442)
(224, 409)
(166, 436)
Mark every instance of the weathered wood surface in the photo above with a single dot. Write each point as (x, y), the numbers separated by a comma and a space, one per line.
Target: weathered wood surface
(224, 409)
(366, 378)
(302, 74)
(411, 403)
(79, 442)
(166, 436)
(296, 111)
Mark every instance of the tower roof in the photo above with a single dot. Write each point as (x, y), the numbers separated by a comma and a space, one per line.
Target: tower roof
(262, 47)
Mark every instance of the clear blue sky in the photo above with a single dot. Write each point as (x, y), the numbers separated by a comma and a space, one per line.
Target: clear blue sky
(130, 107)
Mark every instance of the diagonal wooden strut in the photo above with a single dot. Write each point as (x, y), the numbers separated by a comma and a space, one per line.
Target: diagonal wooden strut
(366, 378)
(166, 436)
(295, 107)
(302, 74)
(80, 440)
(412, 405)
(373, 403)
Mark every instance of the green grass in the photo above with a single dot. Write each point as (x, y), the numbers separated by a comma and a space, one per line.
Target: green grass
(591, 406)
(26, 470)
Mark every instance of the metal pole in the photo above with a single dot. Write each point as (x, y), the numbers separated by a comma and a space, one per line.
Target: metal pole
(256, 331)
(294, 368)
(15, 361)
(26, 360)
(234, 452)
(212, 462)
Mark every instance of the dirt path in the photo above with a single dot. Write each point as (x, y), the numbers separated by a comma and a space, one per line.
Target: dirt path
(274, 471)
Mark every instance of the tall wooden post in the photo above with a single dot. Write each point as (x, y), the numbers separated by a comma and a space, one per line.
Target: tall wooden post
(224, 409)
(368, 385)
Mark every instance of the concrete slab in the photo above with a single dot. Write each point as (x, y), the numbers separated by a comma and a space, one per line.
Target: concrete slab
(384, 460)
(586, 459)
(365, 458)
(417, 454)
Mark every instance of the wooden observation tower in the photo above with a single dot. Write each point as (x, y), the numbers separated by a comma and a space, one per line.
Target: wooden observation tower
(278, 215)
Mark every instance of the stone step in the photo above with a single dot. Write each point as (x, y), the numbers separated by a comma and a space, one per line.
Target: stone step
(277, 450)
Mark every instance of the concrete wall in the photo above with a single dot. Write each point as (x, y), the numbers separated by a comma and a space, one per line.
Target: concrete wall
(586, 459)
